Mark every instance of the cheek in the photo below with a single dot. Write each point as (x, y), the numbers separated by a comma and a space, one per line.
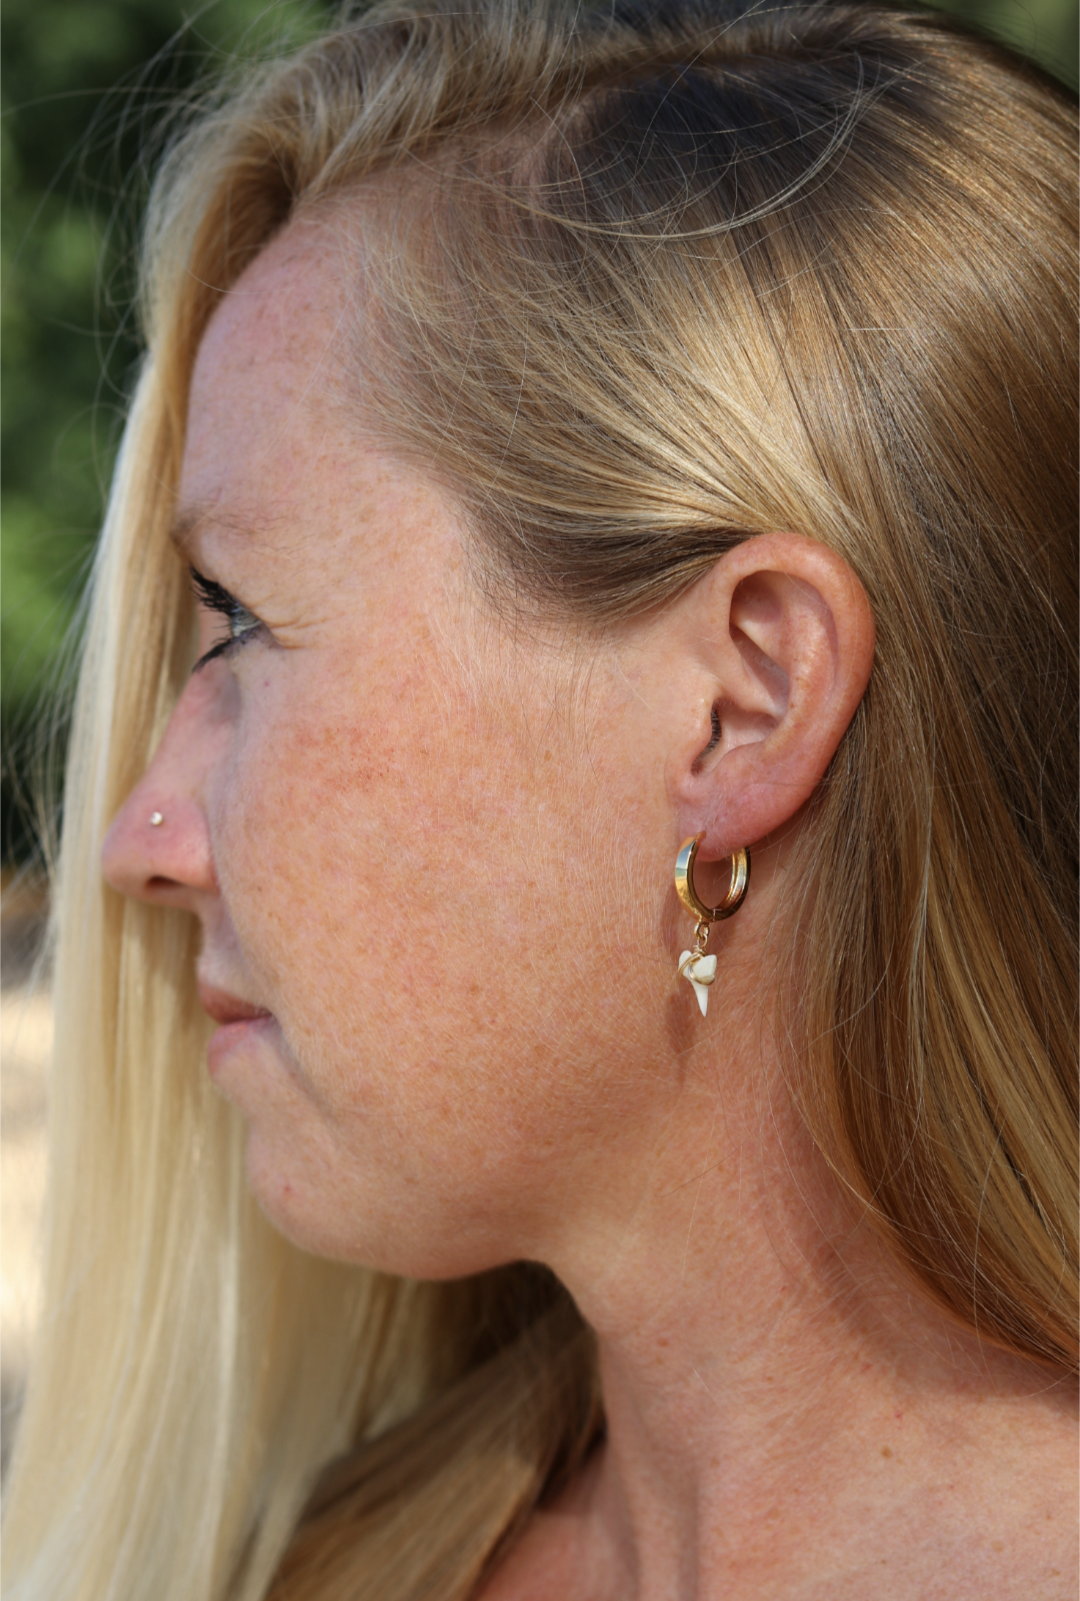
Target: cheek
(405, 886)
(317, 834)
(422, 889)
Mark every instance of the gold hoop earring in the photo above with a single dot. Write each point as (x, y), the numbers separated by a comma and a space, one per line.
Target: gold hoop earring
(694, 964)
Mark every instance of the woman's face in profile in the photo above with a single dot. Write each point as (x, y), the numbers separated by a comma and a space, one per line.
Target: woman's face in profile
(398, 825)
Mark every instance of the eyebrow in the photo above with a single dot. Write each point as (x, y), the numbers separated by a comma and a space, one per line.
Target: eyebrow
(191, 519)
(184, 526)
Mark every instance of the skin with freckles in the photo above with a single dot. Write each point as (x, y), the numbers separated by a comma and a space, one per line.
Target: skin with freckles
(431, 856)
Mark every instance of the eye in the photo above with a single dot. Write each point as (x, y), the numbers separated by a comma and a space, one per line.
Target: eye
(241, 623)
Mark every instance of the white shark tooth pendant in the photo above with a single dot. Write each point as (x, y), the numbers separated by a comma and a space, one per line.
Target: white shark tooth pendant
(701, 971)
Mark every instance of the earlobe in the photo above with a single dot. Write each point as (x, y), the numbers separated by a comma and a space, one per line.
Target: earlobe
(782, 629)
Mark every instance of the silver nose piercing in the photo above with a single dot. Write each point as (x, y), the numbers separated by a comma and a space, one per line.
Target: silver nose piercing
(156, 819)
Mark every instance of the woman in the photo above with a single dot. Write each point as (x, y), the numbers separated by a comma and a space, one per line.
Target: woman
(571, 445)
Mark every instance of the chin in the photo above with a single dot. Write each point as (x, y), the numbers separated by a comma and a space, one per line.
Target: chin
(408, 1235)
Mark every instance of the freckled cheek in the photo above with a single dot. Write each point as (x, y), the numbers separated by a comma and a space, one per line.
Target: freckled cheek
(398, 851)
(303, 827)
(350, 842)
(404, 846)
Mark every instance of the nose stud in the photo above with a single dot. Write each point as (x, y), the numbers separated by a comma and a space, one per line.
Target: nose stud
(156, 819)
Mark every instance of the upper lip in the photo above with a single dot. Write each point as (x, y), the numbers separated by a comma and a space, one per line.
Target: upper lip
(226, 1008)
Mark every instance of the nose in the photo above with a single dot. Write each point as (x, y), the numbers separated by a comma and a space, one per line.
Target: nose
(158, 845)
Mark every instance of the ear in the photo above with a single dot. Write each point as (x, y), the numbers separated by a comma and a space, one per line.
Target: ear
(775, 645)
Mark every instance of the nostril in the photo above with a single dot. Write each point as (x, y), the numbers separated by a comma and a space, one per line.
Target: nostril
(166, 865)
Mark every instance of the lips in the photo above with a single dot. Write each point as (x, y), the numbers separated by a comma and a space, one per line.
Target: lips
(226, 1008)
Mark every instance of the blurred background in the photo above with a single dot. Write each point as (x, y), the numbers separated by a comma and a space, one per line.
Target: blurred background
(84, 86)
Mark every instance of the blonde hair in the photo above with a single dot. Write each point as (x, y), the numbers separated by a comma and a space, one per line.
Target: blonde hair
(654, 282)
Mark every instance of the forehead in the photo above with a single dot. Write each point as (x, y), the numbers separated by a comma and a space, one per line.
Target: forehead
(281, 458)
(270, 360)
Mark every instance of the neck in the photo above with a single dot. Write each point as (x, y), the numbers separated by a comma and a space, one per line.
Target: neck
(778, 1394)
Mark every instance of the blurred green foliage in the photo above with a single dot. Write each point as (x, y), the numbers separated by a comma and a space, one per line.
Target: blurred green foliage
(84, 84)
(1047, 31)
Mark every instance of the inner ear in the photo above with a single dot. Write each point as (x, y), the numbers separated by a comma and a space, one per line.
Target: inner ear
(714, 740)
(761, 609)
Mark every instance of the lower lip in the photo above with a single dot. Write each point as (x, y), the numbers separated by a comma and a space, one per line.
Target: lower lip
(232, 1037)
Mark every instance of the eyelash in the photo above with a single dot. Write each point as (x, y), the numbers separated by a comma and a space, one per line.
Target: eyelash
(216, 598)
